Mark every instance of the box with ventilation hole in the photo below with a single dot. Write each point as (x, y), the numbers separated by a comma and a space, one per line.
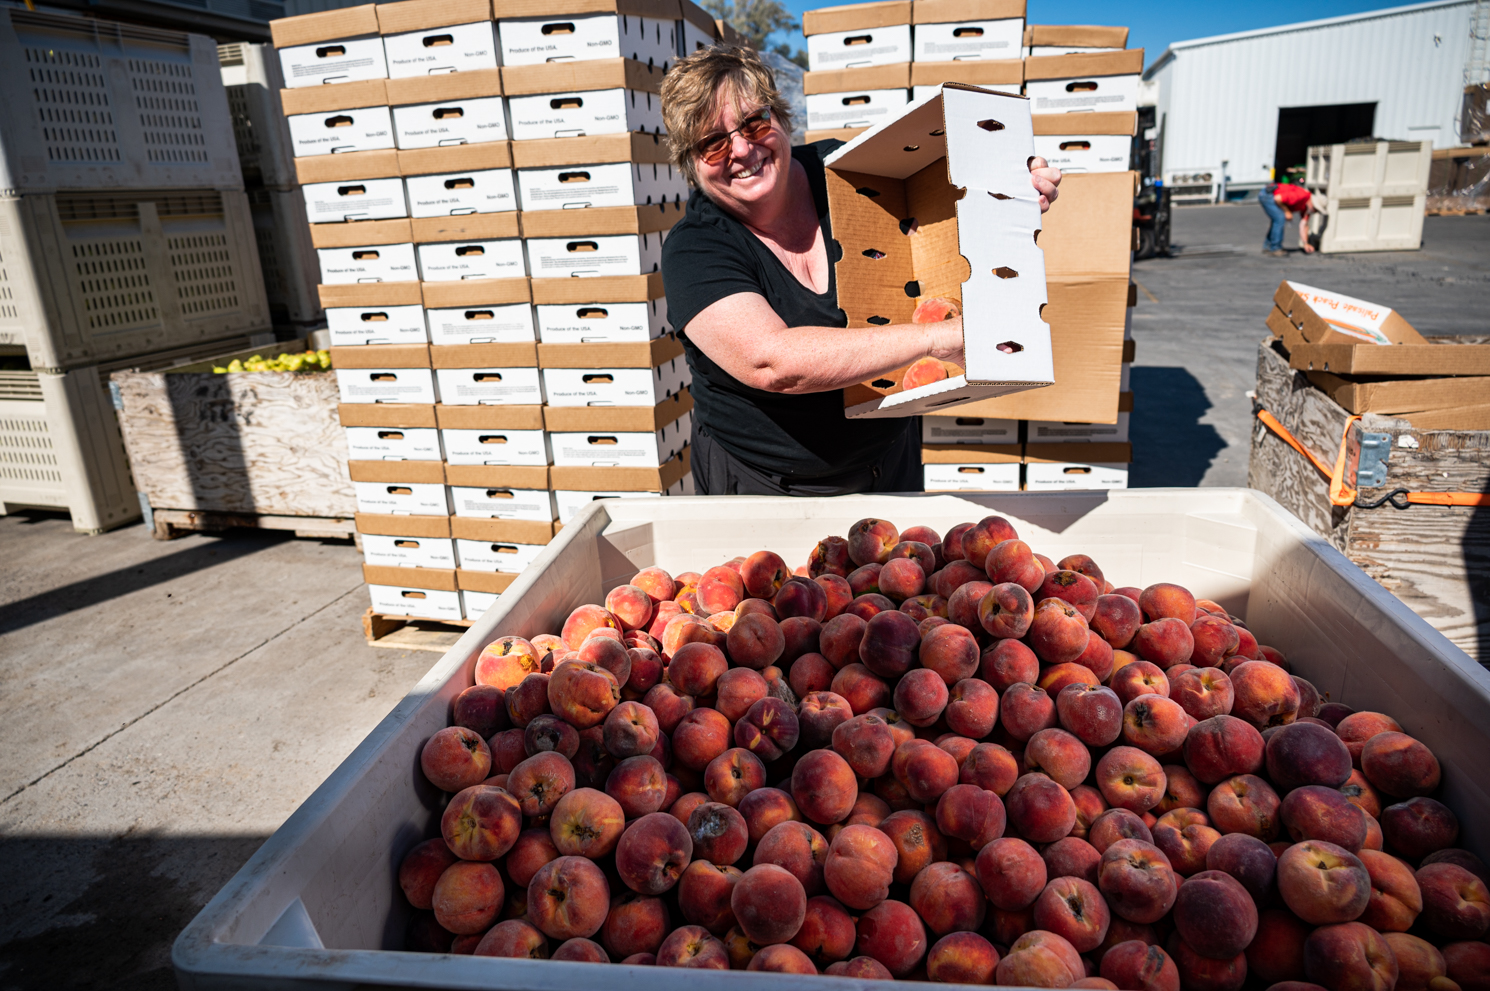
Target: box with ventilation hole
(460, 180)
(966, 30)
(611, 171)
(406, 488)
(1071, 467)
(408, 552)
(970, 467)
(968, 430)
(330, 46)
(1064, 84)
(937, 203)
(473, 246)
(619, 309)
(533, 32)
(1072, 39)
(635, 374)
(437, 37)
(487, 375)
(368, 251)
(583, 99)
(356, 186)
(493, 435)
(374, 313)
(384, 373)
(999, 75)
(1094, 142)
(575, 488)
(479, 311)
(504, 546)
(843, 98)
(335, 120)
(602, 443)
(599, 241)
(507, 492)
(856, 35)
(444, 111)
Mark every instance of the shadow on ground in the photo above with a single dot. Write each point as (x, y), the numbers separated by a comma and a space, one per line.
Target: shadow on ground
(1171, 447)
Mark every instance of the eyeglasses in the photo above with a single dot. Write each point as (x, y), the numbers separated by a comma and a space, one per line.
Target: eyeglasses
(715, 148)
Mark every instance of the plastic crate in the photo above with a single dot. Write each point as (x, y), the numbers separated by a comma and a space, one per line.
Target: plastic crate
(91, 104)
(90, 277)
(1376, 194)
(318, 904)
(252, 81)
(286, 256)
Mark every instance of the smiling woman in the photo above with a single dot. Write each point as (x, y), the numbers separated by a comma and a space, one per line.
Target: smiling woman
(750, 284)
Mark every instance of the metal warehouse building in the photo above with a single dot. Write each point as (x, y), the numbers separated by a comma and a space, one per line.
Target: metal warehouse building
(1253, 102)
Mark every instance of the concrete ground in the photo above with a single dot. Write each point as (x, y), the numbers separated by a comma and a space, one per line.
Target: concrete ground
(165, 706)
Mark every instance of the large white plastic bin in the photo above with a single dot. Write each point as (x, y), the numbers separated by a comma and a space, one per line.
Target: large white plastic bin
(252, 80)
(319, 901)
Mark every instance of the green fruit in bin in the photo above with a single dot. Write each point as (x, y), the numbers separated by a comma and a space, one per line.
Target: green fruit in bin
(301, 361)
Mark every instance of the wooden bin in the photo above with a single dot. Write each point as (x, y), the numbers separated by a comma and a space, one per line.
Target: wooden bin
(1436, 559)
(262, 449)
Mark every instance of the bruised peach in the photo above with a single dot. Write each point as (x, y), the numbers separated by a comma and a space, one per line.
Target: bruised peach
(1135, 964)
(583, 693)
(652, 853)
(829, 557)
(1154, 724)
(455, 758)
(1399, 765)
(870, 540)
(1040, 959)
(528, 700)
(1092, 713)
(948, 899)
(549, 732)
(1073, 587)
(916, 841)
(1203, 692)
(824, 786)
(1007, 663)
(505, 662)
(1221, 747)
(1245, 804)
(1350, 956)
(693, 946)
(1323, 883)
(860, 866)
(630, 729)
(989, 766)
(1137, 881)
(1314, 812)
(1130, 779)
(540, 781)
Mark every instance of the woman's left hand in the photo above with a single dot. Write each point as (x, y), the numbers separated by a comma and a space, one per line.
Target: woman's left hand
(1045, 179)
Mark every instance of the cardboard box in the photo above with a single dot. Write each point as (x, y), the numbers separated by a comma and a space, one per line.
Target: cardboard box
(387, 551)
(397, 472)
(336, 132)
(436, 51)
(402, 498)
(452, 261)
(503, 503)
(644, 30)
(615, 254)
(1001, 76)
(504, 531)
(496, 386)
(368, 263)
(968, 430)
(618, 386)
(1068, 39)
(1089, 229)
(354, 199)
(604, 184)
(861, 108)
(416, 603)
(483, 582)
(403, 526)
(697, 28)
(364, 325)
(835, 134)
(859, 34)
(621, 309)
(496, 555)
(956, 217)
(1325, 317)
(386, 415)
(612, 96)
(947, 30)
(1056, 467)
(476, 604)
(1094, 142)
(897, 76)
(386, 385)
(375, 356)
(1400, 397)
(479, 311)
(624, 449)
(496, 447)
(448, 110)
(394, 444)
(419, 15)
(468, 227)
(657, 478)
(438, 579)
(555, 174)
(635, 419)
(456, 194)
(971, 477)
(1064, 432)
(570, 502)
(351, 166)
(361, 233)
(477, 356)
(331, 46)
(638, 354)
(1063, 84)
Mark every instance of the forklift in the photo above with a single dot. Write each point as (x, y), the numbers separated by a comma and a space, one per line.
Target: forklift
(1151, 209)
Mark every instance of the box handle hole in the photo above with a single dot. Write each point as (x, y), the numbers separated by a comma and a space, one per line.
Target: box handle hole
(407, 594)
(598, 379)
(384, 377)
(607, 441)
(390, 435)
(1076, 470)
(365, 256)
(967, 32)
(867, 191)
(480, 315)
(879, 321)
(1011, 347)
(566, 103)
(574, 246)
(438, 40)
(858, 39)
(873, 254)
(407, 543)
(331, 51)
(448, 113)
(340, 120)
(470, 250)
(500, 494)
(351, 190)
(969, 470)
(882, 383)
(574, 177)
(486, 376)
(591, 313)
(503, 549)
(939, 132)
(913, 288)
(990, 125)
(558, 27)
(908, 226)
(492, 438)
(912, 148)
(464, 182)
(400, 490)
(970, 421)
(1082, 86)
(855, 101)
(1005, 272)
(1076, 146)
(375, 317)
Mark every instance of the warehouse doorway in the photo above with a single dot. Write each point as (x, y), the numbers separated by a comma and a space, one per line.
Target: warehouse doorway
(1300, 127)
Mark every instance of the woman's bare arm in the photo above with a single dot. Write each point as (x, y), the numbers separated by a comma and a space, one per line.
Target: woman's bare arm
(744, 336)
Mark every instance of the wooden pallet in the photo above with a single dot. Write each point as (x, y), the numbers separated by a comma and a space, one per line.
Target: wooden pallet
(403, 633)
(168, 524)
(1451, 213)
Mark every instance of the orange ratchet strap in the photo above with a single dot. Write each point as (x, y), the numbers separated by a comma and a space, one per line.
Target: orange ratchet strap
(1343, 495)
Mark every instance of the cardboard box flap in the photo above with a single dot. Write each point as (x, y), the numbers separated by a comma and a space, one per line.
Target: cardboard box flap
(1326, 317)
(498, 476)
(416, 472)
(728, 36)
(971, 454)
(698, 17)
(1089, 228)
(1074, 36)
(550, 153)
(1394, 397)
(439, 579)
(938, 202)
(598, 220)
(466, 227)
(324, 25)
(599, 289)
(519, 354)
(484, 581)
(417, 15)
(662, 10)
(356, 233)
(1100, 452)
(348, 167)
(398, 525)
(975, 72)
(475, 292)
(342, 96)
(469, 84)
(948, 11)
(1075, 125)
(1128, 62)
(895, 76)
(637, 354)
(631, 419)
(370, 294)
(853, 16)
(380, 356)
(456, 158)
(501, 531)
(834, 134)
(580, 76)
(590, 479)
(1400, 360)
(385, 415)
(489, 417)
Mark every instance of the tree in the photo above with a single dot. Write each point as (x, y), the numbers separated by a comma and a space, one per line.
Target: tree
(757, 20)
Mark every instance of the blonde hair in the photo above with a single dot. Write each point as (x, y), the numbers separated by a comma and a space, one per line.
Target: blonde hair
(692, 90)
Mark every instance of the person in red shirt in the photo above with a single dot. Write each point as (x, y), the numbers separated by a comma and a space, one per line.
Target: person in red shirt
(1280, 201)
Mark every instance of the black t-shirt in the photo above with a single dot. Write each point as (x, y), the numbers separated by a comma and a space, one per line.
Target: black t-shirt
(710, 255)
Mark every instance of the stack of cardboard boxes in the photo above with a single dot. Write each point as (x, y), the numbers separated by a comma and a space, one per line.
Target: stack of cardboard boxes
(488, 188)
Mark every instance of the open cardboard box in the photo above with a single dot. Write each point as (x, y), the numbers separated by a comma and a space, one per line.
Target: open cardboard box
(938, 202)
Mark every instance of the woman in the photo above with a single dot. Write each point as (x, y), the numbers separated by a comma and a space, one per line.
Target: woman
(1280, 201)
(750, 284)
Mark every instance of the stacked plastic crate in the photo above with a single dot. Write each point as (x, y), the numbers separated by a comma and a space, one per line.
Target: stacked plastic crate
(1083, 88)
(125, 241)
(479, 180)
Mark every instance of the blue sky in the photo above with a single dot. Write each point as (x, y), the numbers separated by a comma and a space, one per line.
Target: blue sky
(1154, 24)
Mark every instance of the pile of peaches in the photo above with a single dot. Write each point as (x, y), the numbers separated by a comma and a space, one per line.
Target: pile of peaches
(938, 758)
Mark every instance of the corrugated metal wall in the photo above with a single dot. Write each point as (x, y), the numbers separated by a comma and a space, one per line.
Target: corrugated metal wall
(1219, 100)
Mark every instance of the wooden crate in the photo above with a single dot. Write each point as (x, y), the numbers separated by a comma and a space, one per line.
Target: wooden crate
(1436, 559)
(249, 448)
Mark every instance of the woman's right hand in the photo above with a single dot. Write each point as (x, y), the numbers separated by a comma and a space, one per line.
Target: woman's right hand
(946, 343)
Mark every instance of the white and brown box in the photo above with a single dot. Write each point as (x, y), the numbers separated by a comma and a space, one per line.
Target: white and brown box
(330, 46)
(575, 488)
(1001, 76)
(405, 488)
(479, 311)
(534, 32)
(493, 435)
(599, 241)
(1072, 39)
(1069, 467)
(470, 246)
(365, 251)
(943, 430)
(971, 467)
(966, 30)
(334, 120)
(617, 170)
(1064, 84)
(487, 374)
(635, 374)
(437, 37)
(855, 98)
(374, 313)
(607, 310)
(508, 492)
(583, 99)
(390, 432)
(352, 187)
(457, 108)
(1095, 142)
(856, 35)
(620, 436)
(696, 28)
(459, 180)
(505, 546)
(384, 373)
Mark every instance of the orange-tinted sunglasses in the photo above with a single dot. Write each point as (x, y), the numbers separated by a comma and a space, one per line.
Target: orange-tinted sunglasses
(715, 148)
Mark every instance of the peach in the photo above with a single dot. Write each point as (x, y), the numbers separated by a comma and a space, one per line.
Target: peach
(513, 939)
(971, 814)
(704, 892)
(809, 673)
(1350, 957)
(1130, 779)
(859, 867)
(480, 709)
(630, 729)
(639, 784)
(1276, 953)
(1154, 724)
(797, 848)
(865, 579)
(568, 897)
(1222, 747)
(1073, 909)
(1072, 587)
(765, 808)
(1264, 694)
(953, 576)
(1013, 561)
(1117, 824)
(892, 934)
(984, 535)
(1025, 710)
(528, 700)
(1089, 806)
(768, 729)
(1468, 964)
(1419, 826)
(989, 766)
(1398, 765)
(1040, 959)
(920, 696)
(481, 823)
(890, 643)
(420, 870)
(801, 598)
(865, 742)
(934, 309)
(653, 852)
(583, 621)
(700, 736)
(684, 629)
(1199, 973)
(1309, 699)
(1248, 860)
(1011, 873)
(1139, 678)
(1116, 619)
(952, 541)
(580, 950)
(870, 541)
(1166, 642)
(1456, 904)
(455, 758)
(1094, 714)
(916, 841)
(802, 635)
(1167, 601)
(1418, 961)
(719, 833)
(1140, 966)
(923, 607)
(1203, 692)
(827, 934)
(1396, 900)
(1359, 791)
(1314, 812)
(1137, 880)
(1071, 857)
(1323, 883)
(1358, 727)
(819, 714)
(505, 662)
(1245, 804)
(962, 958)
(922, 768)
(1463, 858)
(1059, 755)
(1306, 754)
(467, 897)
(1056, 677)
(782, 958)
(869, 810)
(549, 732)
(1007, 611)
(840, 638)
(1058, 631)
(1215, 639)
(582, 693)
(1007, 663)
(586, 823)
(1186, 837)
(540, 781)
(972, 708)
(950, 651)
(769, 904)
(861, 968)
(1181, 790)
(669, 706)
(902, 578)
(763, 573)
(869, 605)
(862, 690)
(693, 946)
(635, 924)
(606, 651)
(824, 786)
(695, 668)
(948, 899)
(828, 557)
(1215, 915)
(755, 641)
